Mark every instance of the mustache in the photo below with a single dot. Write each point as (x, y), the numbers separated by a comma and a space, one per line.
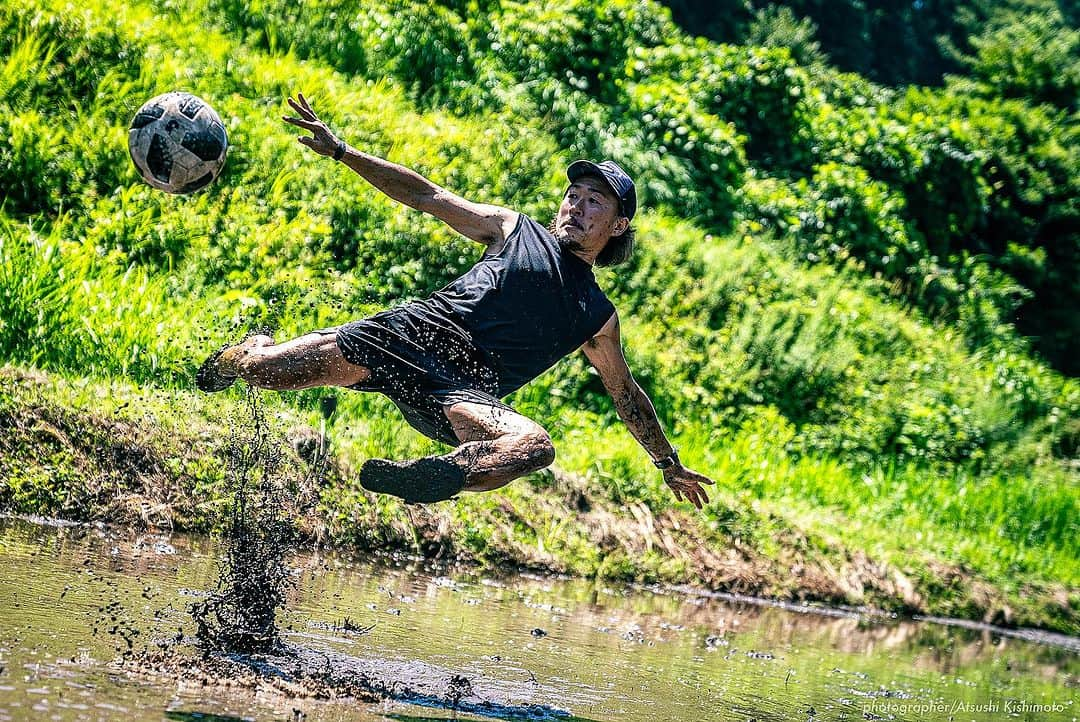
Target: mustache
(564, 242)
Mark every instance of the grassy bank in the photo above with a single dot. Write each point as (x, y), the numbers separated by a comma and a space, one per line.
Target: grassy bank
(111, 451)
(824, 331)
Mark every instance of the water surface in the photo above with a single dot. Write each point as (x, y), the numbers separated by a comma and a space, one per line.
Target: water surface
(74, 597)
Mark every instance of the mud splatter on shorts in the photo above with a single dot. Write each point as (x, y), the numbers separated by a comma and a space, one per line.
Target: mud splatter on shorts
(422, 363)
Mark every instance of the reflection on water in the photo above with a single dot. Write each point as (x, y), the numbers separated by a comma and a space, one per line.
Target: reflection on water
(73, 597)
(182, 716)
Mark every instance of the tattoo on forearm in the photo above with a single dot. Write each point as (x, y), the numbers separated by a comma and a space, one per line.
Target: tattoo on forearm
(637, 412)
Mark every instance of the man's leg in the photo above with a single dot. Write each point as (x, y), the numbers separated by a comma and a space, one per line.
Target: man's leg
(498, 445)
(310, 360)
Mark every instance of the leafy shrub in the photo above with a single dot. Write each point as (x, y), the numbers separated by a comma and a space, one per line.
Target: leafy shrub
(760, 91)
(1024, 178)
(977, 192)
(1035, 56)
(776, 26)
(423, 45)
(580, 43)
(707, 149)
(280, 27)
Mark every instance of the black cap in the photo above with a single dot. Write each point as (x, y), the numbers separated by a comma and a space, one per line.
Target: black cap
(617, 179)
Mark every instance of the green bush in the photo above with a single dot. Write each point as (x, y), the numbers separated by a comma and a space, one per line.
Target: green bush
(710, 154)
(776, 26)
(422, 45)
(761, 91)
(1034, 56)
(841, 215)
(582, 44)
(1022, 189)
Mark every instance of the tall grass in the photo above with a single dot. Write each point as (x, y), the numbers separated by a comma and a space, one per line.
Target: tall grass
(64, 306)
(36, 285)
(25, 67)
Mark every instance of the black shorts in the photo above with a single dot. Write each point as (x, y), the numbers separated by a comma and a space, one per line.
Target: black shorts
(423, 363)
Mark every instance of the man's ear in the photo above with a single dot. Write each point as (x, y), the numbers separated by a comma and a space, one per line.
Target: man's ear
(621, 224)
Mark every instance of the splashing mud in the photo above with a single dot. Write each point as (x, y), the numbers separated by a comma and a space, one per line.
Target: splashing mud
(237, 640)
(240, 615)
(296, 673)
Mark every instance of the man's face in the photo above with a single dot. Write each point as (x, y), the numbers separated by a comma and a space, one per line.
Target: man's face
(589, 214)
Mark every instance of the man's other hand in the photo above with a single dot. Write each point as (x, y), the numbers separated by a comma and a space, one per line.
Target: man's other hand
(686, 484)
(322, 141)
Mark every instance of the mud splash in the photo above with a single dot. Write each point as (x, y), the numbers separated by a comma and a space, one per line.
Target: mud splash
(301, 673)
(240, 615)
(238, 643)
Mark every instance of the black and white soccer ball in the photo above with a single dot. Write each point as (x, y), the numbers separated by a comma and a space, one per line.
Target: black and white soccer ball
(177, 142)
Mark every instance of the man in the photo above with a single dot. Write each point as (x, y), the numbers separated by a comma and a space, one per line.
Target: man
(446, 361)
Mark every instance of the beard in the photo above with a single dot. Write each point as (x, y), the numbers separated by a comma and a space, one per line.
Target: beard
(570, 244)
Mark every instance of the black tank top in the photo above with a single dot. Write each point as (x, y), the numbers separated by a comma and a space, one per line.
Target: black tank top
(526, 306)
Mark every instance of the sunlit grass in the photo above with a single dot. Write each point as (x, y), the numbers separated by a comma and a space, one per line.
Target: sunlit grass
(65, 306)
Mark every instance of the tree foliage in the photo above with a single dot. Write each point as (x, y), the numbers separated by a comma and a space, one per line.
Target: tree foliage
(895, 42)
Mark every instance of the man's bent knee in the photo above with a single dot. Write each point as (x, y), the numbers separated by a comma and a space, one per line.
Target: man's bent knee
(473, 421)
(538, 449)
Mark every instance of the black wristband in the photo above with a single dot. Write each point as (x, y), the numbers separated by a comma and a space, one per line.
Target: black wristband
(339, 152)
(668, 461)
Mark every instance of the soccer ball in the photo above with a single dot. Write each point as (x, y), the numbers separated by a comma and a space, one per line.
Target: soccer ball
(177, 142)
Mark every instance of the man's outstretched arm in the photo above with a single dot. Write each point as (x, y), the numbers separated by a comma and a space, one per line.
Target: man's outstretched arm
(604, 351)
(480, 222)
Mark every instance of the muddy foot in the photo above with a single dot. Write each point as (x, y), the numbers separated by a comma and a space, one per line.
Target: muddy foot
(421, 481)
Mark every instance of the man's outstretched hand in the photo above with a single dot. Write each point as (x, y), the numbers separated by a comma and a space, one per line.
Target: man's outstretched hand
(322, 140)
(686, 485)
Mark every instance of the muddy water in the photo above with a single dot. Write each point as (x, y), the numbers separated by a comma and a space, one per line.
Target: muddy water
(446, 645)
